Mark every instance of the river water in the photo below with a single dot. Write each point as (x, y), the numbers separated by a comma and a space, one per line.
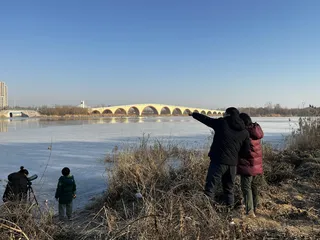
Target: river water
(82, 144)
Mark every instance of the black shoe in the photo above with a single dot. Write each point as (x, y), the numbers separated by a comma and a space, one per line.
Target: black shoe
(209, 194)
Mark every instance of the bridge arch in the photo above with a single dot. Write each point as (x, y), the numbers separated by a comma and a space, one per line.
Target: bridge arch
(120, 111)
(209, 113)
(186, 111)
(196, 111)
(176, 111)
(203, 112)
(96, 112)
(107, 111)
(147, 110)
(165, 111)
(133, 111)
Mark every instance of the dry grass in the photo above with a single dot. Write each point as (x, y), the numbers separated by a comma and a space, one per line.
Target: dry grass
(307, 136)
(25, 221)
(170, 180)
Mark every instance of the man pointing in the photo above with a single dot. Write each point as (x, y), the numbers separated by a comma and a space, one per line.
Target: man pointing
(231, 139)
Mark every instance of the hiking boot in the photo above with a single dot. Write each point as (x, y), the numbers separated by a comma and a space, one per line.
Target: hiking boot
(251, 214)
(211, 199)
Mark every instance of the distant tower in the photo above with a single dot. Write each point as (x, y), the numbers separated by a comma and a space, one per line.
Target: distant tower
(3, 95)
(82, 104)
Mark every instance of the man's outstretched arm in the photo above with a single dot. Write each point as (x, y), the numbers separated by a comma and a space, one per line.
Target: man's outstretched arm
(210, 122)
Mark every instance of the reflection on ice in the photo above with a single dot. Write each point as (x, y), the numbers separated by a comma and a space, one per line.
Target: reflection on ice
(4, 126)
(8, 125)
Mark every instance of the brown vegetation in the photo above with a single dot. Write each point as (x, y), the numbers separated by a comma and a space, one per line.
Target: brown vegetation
(62, 111)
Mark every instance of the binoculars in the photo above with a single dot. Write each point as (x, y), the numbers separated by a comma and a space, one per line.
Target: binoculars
(33, 177)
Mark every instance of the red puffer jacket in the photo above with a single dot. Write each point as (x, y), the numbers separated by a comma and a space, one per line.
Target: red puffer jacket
(252, 165)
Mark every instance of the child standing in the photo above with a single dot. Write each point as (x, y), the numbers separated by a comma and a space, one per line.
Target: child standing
(65, 193)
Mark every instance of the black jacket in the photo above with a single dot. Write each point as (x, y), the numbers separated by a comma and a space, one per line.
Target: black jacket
(231, 138)
(17, 187)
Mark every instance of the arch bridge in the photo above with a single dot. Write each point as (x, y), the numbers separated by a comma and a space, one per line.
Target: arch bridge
(18, 113)
(156, 109)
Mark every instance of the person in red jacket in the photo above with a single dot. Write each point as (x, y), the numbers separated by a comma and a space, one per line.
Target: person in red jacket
(248, 168)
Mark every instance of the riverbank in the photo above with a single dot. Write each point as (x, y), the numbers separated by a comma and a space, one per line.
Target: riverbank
(155, 192)
(150, 197)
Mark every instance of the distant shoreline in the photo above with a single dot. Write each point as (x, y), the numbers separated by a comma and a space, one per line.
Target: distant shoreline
(84, 117)
(152, 115)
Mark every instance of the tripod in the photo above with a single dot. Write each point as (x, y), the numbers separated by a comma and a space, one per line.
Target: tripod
(30, 193)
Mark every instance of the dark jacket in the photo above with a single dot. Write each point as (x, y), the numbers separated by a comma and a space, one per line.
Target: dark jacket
(66, 189)
(17, 187)
(252, 165)
(230, 138)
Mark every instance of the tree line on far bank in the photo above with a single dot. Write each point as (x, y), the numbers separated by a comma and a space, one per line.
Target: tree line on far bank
(280, 111)
(62, 110)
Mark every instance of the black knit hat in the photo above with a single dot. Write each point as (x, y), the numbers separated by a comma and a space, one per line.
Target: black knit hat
(232, 111)
(23, 170)
(65, 171)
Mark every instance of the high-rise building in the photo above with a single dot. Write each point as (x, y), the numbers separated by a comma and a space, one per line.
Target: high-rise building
(3, 95)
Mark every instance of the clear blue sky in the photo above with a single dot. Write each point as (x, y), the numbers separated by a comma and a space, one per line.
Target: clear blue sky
(206, 53)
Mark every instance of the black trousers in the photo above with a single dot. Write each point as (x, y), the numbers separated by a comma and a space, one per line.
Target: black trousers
(225, 173)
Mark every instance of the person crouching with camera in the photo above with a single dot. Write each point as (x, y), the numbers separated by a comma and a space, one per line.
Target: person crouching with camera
(17, 187)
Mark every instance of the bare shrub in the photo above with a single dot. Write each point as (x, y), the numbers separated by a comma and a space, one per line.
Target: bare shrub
(276, 168)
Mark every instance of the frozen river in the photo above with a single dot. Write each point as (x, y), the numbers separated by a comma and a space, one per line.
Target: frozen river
(82, 144)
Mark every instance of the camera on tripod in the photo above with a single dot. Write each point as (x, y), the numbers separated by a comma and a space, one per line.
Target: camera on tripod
(30, 179)
(30, 190)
